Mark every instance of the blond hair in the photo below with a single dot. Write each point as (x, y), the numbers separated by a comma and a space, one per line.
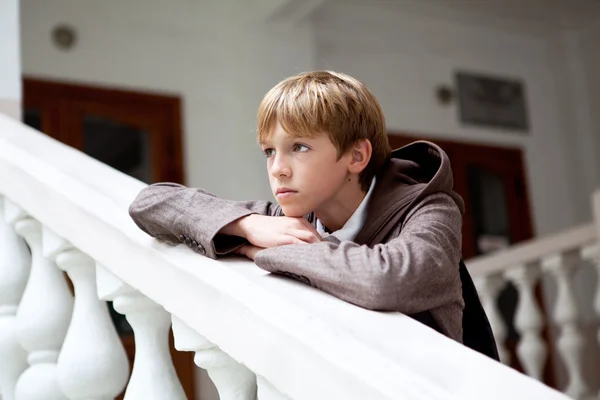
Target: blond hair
(328, 102)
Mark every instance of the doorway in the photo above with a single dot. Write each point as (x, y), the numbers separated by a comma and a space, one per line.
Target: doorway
(136, 133)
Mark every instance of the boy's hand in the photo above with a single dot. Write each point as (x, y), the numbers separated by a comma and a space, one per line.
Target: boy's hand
(265, 231)
(249, 251)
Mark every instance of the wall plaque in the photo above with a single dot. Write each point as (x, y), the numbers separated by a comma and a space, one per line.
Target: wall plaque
(491, 101)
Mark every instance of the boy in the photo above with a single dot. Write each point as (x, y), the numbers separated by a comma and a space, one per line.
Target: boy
(373, 227)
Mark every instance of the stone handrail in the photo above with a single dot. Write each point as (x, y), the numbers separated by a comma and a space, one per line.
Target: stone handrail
(533, 250)
(255, 333)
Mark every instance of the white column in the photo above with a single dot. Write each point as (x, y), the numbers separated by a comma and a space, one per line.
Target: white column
(14, 271)
(92, 364)
(10, 66)
(233, 380)
(528, 320)
(489, 288)
(571, 342)
(153, 376)
(42, 319)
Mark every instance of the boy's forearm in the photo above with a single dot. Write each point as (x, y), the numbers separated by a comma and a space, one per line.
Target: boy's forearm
(239, 227)
(175, 213)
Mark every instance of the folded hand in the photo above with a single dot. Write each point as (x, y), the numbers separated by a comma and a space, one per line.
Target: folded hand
(265, 231)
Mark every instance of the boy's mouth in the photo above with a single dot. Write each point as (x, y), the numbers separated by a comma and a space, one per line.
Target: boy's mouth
(284, 192)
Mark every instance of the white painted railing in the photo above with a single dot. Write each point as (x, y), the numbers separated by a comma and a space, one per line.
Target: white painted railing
(255, 333)
(524, 265)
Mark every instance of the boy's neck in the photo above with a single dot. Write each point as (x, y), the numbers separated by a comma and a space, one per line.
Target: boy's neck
(340, 208)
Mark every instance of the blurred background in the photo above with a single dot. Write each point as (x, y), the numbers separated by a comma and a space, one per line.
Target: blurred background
(168, 91)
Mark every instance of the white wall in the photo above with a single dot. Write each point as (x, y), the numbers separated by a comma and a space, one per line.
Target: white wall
(566, 60)
(403, 56)
(10, 66)
(219, 57)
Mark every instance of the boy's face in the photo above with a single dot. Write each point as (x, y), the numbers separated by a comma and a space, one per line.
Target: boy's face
(305, 173)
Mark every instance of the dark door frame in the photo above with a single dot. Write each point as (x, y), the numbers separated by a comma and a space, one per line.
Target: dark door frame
(62, 106)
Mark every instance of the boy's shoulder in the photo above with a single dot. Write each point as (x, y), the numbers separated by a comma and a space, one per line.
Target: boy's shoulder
(417, 176)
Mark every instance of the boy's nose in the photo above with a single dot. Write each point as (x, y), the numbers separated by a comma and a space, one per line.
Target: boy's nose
(280, 169)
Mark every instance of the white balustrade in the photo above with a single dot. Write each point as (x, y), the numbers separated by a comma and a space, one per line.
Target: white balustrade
(153, 375)
(15, 262)
(560, 255)
(571, 342)
(529, 322)
(42, 318)
(92, 364)
(233, 380)
(488, 288)
(257, 335)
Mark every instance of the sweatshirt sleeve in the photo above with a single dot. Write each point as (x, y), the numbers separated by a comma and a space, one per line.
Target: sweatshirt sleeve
(175, 213)
(414, 272)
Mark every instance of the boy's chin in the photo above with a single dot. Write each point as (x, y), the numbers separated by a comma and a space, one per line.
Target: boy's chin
(294, 211)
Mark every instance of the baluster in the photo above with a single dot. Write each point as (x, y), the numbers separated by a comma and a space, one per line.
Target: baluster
(233, 380)
(591, 254)
(489, 288)
(14, 271)
(42, 319)
(92, 364)
(528, 320)
(571, 342)
(153, 375)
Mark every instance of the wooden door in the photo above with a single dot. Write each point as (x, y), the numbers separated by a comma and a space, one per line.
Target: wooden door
(136, 133)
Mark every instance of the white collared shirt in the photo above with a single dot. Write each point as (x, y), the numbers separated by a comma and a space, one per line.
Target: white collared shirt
(354, 224)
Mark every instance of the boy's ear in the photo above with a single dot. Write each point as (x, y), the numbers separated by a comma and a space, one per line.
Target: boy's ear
(361, 155)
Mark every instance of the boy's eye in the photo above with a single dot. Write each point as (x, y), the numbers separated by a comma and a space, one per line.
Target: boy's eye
(301, 148)
(269, 152)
